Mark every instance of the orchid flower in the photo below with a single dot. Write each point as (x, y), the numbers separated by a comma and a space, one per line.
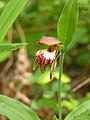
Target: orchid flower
(47, 56)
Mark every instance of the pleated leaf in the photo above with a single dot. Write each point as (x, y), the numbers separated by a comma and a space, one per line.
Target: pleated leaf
(82, 112)
(10, 47)
(15, 110)
(9, 15)
(67, 22)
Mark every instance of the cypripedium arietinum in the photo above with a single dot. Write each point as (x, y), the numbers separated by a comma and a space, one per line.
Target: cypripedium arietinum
(47, 56)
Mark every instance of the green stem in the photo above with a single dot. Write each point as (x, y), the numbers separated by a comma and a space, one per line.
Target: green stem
(60, 84)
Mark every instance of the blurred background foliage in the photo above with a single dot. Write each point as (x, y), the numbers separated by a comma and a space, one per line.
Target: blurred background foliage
(39, 18)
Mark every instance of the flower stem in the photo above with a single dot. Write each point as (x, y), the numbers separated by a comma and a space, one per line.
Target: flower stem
(60, 84)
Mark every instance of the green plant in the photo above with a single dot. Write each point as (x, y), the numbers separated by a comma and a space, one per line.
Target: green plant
(66, 28)
(82, 112)
(12, 109)
(7, 18)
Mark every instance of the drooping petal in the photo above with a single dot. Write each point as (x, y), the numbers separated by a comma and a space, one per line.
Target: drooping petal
(35, 64)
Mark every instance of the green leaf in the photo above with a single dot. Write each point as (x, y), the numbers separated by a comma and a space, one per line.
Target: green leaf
(83, 116)
(84, 1)
(4, 56)
(10, 47)
(2, 4)
(68, 21)
(50, 103)
(80, 112)
(9, 15)
(44, 78)
(15, 110)
(70, 105)
(55, 118)
(40, 78)
(65, 79)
